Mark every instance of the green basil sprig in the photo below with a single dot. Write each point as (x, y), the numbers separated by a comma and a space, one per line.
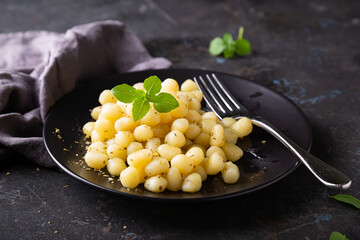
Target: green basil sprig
(163, 102)
(228, 46)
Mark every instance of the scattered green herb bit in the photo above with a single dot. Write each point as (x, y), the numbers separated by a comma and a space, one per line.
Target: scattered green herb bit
(228, 46)
(347, 199)
(163, 102)
(337, 236)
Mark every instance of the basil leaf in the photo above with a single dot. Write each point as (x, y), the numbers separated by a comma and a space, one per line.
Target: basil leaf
(229, 51)
(337, 236)
(216, 46)
(229, 45)
(140, 94)
(140, 108)
(228, 38)
(124, 93)
(347, 199)
(242, 47)
(164, 102)
(152, 85)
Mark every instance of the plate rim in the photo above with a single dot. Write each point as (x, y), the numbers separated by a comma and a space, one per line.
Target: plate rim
(178, 199)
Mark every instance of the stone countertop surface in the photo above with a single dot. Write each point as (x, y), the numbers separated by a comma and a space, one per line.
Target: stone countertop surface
(308, 51)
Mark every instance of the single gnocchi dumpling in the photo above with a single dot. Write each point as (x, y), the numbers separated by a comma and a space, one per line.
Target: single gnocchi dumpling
(230, 173)
(192, 183)
(243, 127)
(156, 184)
(130, 177)
(115, 166)
(96, 160)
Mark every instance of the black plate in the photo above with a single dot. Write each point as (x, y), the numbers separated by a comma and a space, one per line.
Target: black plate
(265, 160)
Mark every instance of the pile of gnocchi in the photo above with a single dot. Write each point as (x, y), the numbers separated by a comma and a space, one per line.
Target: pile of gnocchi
(174, 151)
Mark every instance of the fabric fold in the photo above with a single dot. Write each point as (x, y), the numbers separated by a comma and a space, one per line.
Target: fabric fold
(37, 68)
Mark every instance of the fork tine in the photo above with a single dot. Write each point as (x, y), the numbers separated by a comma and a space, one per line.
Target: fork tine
(218, 93)
(209, 98)
(212, 95)
(227, 93)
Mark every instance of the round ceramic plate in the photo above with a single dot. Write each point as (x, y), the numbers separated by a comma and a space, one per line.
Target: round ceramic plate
(265, 160)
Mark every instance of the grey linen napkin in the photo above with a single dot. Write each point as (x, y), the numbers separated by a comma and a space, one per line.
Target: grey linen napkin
(37, 68)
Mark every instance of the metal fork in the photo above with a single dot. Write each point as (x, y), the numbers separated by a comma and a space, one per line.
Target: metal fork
(224, 104)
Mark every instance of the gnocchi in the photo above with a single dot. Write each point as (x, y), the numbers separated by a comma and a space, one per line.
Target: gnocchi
(173, 151)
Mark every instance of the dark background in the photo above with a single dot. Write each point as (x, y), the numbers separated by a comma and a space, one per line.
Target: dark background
(308, 51)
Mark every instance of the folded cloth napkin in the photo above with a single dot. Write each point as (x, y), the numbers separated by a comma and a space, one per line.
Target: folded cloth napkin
(37, 68)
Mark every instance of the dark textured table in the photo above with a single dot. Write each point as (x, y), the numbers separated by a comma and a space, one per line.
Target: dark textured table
(308, 51)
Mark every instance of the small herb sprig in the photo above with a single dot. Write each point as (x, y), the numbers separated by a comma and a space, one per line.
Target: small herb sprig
(228, 46)
(163, 102)
(337, 236)
(346, 198)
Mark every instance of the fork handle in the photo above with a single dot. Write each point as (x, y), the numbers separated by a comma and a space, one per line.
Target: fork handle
(328, 175)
